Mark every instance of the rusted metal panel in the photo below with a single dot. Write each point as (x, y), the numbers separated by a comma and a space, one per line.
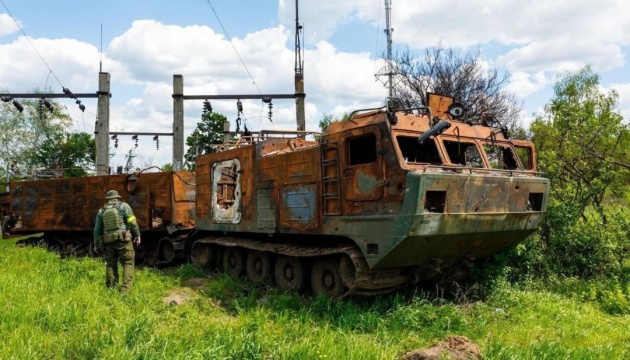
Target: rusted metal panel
(183, 198)
(303, 166)
(270, 171)
(439, 104)
(298, 207)
(72, 203)
(266, 213)
(202, 189)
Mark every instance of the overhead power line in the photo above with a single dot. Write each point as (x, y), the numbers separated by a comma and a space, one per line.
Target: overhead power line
(234, 47)
(39, 54)
(30, 42)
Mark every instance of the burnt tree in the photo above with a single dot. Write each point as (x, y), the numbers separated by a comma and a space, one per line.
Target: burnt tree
(462, 75)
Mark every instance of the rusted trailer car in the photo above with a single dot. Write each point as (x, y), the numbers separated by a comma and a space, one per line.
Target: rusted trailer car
(386, 198)
(64, 210)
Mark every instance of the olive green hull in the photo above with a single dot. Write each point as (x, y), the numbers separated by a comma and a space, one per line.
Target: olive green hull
(492, 212)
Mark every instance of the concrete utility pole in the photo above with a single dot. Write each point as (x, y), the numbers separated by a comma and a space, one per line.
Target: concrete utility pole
(102, 125)
(178, 121)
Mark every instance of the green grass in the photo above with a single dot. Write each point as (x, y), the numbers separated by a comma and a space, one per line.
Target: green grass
(52, 308)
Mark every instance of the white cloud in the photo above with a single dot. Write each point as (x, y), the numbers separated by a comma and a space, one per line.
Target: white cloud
(601, 56)
(152, 52)
(74, 63)
(543, 35)
(321, 18)
(532, 39)
(7, 25)
(624, 99)
(523, 84)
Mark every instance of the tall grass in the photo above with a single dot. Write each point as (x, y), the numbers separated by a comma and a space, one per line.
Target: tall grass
(52, 308)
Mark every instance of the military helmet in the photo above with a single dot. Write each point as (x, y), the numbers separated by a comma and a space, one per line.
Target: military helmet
(112, 194)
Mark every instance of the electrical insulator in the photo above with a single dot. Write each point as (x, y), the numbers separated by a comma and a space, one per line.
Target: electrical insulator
(207, 107)
(239, 106)
(48, 105)
(270, 112)
(157, 142)
(18, 106)
(40, 108)
(82, 107)
(135, 138)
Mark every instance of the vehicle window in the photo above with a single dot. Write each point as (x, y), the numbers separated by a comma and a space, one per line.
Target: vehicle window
(361, 149)
(463, 153)
(501, 157)
(525, 155)
(412, 152)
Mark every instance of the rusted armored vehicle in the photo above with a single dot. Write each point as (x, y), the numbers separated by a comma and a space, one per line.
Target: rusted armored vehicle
(387, 198)
(64, 210)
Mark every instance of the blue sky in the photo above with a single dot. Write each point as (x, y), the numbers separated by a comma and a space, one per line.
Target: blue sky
(146, 42)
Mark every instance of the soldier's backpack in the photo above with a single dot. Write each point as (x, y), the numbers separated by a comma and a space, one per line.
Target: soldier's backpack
(112, 218)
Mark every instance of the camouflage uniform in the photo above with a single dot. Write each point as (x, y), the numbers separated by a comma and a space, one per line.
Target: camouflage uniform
(117, 245)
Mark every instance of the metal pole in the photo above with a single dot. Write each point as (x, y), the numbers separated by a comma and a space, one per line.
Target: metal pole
(178, 122)
(102, 125)
(388, 32)
(299, 75)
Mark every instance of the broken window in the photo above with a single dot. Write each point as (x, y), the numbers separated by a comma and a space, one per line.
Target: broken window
(501, 157)
(226, 191)
(463, 153)
(361, 149)
(226, 187)
(525, 154)
(413, 152)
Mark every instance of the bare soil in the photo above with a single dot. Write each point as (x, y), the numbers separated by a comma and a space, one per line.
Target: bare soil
(453, 348)
(188, 292)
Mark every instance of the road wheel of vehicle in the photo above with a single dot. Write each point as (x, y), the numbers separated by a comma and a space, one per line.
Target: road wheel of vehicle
(258, 266)
(201, 254)
(233, 261)
(167, 250)
(289, 273)
(325, 278)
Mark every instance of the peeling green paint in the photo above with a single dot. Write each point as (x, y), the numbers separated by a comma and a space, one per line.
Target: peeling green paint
(366, 183)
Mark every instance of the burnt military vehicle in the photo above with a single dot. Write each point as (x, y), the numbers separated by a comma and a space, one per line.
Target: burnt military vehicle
(389, 197)
(63, 211)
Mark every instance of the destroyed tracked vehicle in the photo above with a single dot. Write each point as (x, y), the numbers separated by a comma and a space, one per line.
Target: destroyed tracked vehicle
(387, 198)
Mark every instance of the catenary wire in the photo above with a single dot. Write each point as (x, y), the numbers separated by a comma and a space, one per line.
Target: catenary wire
(234, 47)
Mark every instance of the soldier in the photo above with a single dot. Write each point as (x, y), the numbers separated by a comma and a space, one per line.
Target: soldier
(115, 225)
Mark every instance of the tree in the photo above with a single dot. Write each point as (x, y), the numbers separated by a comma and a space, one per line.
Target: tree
(23, 133)
(328, 119)
(205, 137)
(462, 75)
(582, 142)
(74, 153)
(325, 121)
